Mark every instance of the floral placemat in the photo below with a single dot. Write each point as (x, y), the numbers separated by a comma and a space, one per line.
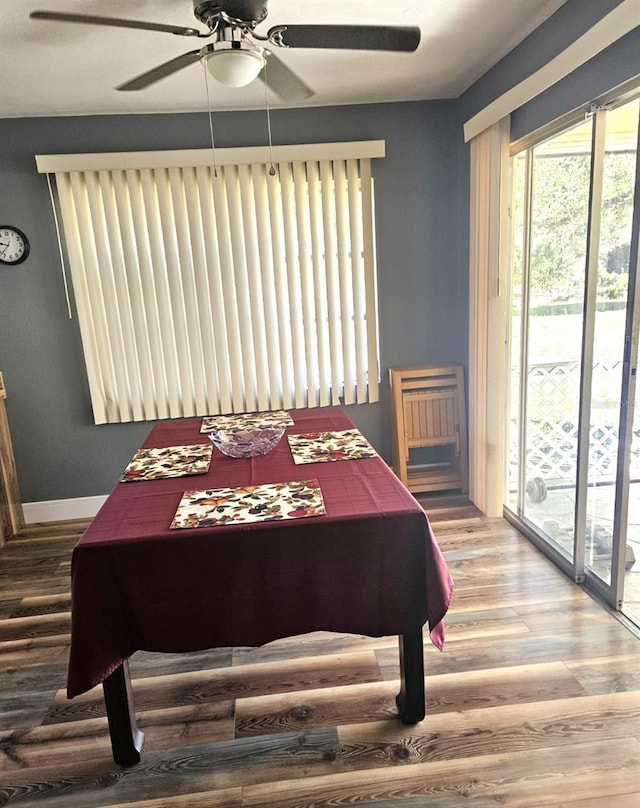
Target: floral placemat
(171, 461)
(253, 503)
(321, 447)
(244, 420)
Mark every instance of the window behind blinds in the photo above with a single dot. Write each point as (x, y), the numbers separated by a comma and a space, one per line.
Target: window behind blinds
(204, 290)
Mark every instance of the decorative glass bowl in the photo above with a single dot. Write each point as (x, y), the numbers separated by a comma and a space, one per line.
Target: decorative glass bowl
(249, 442)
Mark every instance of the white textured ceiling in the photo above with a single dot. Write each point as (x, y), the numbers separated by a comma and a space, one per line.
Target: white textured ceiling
(53, 68)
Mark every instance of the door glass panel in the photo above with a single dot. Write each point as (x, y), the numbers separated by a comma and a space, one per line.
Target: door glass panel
(609, 333)
(519, 208)
(560, 178)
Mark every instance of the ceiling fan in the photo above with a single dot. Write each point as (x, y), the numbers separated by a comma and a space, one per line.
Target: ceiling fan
(235, 57)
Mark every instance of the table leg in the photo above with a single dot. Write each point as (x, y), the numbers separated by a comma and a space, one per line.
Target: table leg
(410, 700)
(126, 738)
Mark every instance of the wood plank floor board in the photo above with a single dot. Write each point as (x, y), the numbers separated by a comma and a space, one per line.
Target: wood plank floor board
(312, 645)
(49, 604)
(22, 590)
(201, 687)
(180, 771)
(32, 678)
(25, 710)
(289, 712)
(65, 743)
(371, 702)
(225, 798)
(513, 593)
(531, 780)
(608, 675)
(188, 724)
(522, 649)
(481, 617)
(39, 625)
(7, 607)
(489, 557)
(18, 653)
(534, 702)
(144, 664)
(467, 629)
(500, 729)
(542, 618)
(620, 801)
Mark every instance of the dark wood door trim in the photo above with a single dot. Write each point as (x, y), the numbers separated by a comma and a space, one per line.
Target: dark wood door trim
(11, 515)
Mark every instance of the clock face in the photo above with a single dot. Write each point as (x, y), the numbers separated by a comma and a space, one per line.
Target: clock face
(14, 245)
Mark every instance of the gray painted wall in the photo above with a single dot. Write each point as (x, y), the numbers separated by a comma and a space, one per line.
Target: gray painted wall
(60, 453)
(609, 69)
(422, 227)
(570, 22)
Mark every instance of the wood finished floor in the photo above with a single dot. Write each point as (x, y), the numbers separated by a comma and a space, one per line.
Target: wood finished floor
(534, 702)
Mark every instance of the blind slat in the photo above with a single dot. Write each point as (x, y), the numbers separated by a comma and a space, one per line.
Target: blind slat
(126, 275)
(174, 322)
(232, 335)
(157, 295)
(373, 370)
(307, 295)
(332, 279)
(265, 256)
(218, 361)
(319, 283)
(241, 282)
(105, 306)
(71, 225)
(345, 279)
(182, 184)
(207, 387)
(293, 284)
(258, 345)
(281, 290)
(146, 317)
(359, 287)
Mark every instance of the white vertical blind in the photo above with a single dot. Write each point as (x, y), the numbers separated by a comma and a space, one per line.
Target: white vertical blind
(205, 290)
(487, 316)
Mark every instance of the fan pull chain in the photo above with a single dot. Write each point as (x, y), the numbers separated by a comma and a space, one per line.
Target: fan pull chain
(213, 144)
(272, 171)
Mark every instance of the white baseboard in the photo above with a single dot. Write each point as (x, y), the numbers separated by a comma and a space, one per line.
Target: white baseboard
(61, 510)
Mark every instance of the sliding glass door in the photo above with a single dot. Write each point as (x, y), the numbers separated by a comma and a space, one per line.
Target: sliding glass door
(614, 172)
(548, 322)
(573, 453)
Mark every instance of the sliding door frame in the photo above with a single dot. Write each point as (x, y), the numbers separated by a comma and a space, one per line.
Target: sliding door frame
(576, 567)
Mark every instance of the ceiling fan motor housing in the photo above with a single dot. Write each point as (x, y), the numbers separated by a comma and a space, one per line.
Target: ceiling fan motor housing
(247, 12)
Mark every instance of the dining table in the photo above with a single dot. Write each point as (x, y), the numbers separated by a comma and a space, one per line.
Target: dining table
(212, 558)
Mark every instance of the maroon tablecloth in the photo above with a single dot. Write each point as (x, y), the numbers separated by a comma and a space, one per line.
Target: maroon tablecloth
(370, 566)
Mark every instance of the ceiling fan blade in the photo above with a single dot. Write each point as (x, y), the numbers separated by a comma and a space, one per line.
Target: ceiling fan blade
(90, 19)
(283, 81)
(351, 37)
(161, 71)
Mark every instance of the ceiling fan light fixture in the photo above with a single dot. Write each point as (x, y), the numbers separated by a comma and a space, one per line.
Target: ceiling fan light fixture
(232, 65)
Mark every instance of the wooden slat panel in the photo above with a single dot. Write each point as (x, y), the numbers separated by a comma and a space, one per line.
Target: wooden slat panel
(427, 414)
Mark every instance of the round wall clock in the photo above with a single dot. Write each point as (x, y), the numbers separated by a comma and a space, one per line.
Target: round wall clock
(14, 245)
